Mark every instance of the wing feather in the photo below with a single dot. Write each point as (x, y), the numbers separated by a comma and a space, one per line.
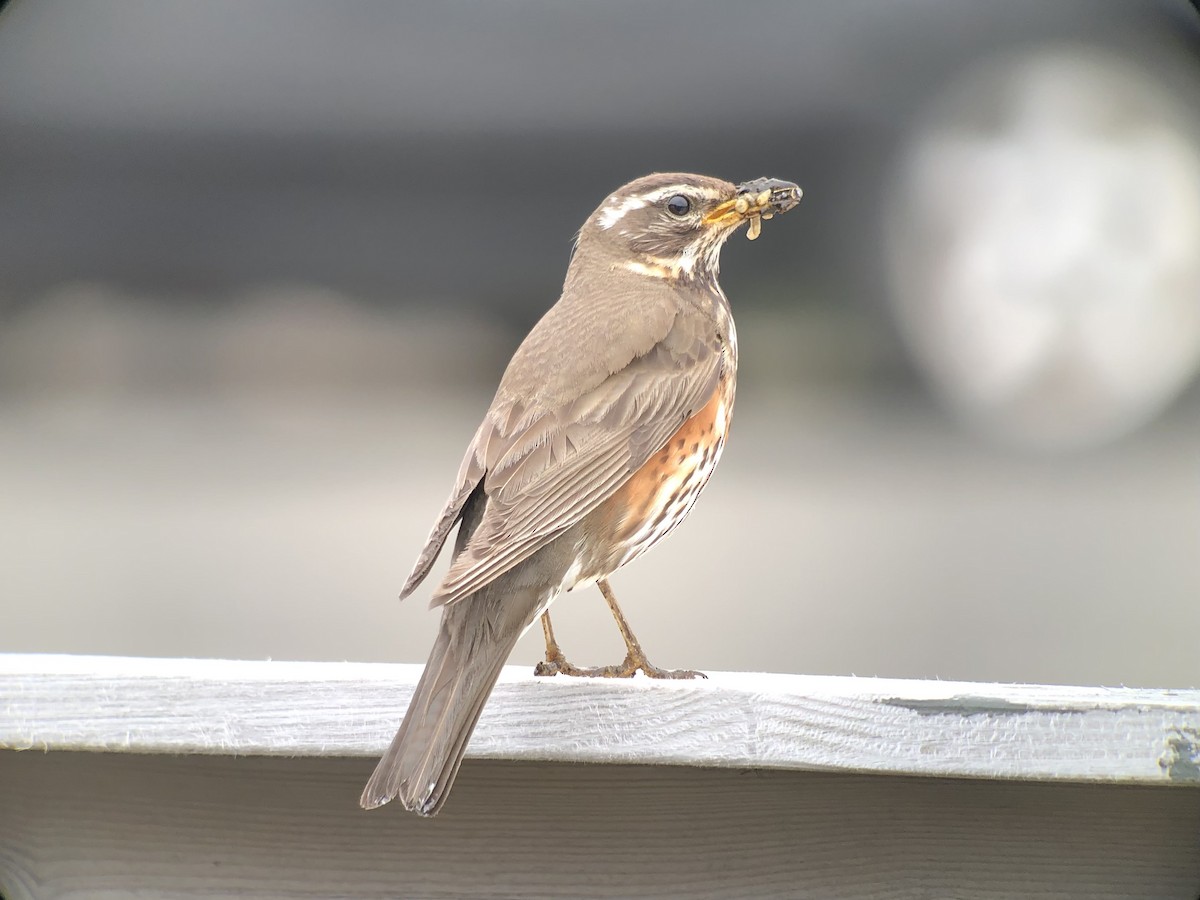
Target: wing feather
(470, 473)
(557, 464)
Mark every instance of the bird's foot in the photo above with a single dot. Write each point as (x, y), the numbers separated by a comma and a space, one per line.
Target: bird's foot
(557, 664)
(652, 671)
(561, 667)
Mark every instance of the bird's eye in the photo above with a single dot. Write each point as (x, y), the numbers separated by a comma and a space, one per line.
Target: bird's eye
(679, 205)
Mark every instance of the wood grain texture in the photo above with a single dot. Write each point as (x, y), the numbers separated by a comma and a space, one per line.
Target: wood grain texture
(732, 720)
(117, 826)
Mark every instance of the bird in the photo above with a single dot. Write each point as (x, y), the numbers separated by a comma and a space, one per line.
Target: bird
(605, 428)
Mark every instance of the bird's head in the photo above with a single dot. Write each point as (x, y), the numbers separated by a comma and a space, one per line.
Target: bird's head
(672, 225)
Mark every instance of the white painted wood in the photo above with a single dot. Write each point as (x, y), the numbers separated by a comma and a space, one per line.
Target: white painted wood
(109, 826)
(861, 725)
(194, 795)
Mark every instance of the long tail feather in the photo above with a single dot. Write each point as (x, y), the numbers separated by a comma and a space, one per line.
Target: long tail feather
(475, 639)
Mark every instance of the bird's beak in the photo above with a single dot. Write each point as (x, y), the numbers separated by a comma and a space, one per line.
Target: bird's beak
(754, 201)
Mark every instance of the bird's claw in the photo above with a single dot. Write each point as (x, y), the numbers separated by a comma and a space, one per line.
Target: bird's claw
(558, 665)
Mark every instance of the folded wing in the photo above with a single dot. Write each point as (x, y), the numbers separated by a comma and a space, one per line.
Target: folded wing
(546, 465)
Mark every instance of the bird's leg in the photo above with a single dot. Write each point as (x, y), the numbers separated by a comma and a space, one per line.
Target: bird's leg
(635, 657)
(555, 662)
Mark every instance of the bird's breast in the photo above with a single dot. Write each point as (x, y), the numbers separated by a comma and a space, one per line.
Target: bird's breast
(659, 495)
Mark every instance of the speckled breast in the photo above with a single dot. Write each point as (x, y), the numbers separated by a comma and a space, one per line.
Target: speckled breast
(659, 496)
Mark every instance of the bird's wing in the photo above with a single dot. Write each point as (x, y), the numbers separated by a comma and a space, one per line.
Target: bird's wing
(547, 466)
(470, 473)
(570, 352)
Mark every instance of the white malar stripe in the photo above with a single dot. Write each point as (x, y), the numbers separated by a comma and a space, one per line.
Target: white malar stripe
(685, 262)
(654, 271)
(665, 267)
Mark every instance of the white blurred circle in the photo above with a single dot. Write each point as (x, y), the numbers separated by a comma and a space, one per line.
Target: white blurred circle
(1043, 238)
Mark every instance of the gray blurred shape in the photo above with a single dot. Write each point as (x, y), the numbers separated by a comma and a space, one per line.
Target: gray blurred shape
(436, 153)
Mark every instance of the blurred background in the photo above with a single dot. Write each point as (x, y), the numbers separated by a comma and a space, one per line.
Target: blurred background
(262, 264)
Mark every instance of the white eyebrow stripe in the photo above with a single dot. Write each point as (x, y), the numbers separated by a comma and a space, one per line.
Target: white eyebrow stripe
(615, 210)
(672, 189)
(611, 215)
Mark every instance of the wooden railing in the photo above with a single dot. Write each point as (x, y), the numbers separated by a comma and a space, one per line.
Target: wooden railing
(211, 778)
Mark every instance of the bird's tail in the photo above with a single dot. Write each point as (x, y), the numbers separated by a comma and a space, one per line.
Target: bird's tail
(476, 636)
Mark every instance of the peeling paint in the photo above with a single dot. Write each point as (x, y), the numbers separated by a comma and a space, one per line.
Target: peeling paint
(967, 705)
(1181, 760)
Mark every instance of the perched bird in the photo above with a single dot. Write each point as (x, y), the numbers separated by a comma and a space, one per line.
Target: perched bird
(606, 426)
